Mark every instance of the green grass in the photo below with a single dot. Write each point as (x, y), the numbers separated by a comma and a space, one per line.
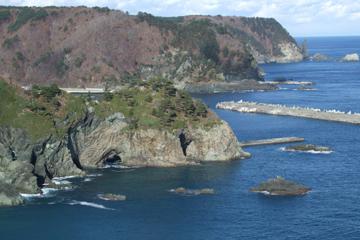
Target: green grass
(157, 105)
(37, 114)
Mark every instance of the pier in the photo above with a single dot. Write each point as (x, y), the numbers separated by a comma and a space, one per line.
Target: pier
(271, 141)
(281, 110)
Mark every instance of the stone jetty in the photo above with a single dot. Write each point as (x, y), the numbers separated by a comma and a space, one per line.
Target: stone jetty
(271, 141)
(281, 110)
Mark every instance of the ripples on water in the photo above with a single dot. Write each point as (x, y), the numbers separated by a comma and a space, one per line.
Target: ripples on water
(330, 211)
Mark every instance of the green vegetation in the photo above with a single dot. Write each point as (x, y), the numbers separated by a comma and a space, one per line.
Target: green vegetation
(39, 110)
(5, 15)
(43, 58)
(20, 56)
(61, 67)
(102, 9)
(26, 14)
(199, 34)
(10, 42)
(163, 23)
(47, 110)
(156, 105)
(79, 60)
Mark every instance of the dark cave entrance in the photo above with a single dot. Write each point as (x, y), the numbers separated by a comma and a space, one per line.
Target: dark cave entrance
(184, 142)
(112, 158)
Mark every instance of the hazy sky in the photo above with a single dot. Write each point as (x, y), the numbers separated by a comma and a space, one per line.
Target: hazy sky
(300, 17)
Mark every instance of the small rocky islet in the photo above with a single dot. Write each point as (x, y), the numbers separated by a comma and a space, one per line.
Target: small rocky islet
(280, 187)
(111, 197)
(310, 148)
(192, 192)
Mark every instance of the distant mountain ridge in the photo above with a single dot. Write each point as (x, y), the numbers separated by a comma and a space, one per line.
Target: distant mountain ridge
(99, 47)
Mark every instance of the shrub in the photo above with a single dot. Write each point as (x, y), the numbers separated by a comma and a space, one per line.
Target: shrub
(61, 67)
(22, 18)
(102, 9)
(5, 15)
(40, 15)
(49, 92)
(226, 51)
(10, 42)
(79, 60)
(43, 58)
(20, 56)
(108, 96)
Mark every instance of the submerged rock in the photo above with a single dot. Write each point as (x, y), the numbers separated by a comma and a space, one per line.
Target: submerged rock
(112, 197)
(280, 186)
(305, 88)
(318, 57)
(308, 148)
(354, 57)
(193, 192)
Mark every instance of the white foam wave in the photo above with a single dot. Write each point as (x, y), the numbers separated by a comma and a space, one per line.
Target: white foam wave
(61, 182)
(64, 178)
(89, 204)
(94, 175)
(309, 151)
(45, 192)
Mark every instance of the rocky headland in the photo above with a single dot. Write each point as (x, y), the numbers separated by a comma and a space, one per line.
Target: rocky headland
(99, 47)
(46, 133)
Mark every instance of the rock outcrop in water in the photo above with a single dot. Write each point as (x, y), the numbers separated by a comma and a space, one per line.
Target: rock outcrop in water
(354, 57)
(318, 57)
(112, 197)
(192, 192)
(281, 187)
(308, 148)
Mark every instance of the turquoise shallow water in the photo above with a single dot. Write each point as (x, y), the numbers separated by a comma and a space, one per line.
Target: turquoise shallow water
(330, 211)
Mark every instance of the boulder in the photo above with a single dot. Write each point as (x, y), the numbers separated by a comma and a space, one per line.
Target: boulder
(318, 57)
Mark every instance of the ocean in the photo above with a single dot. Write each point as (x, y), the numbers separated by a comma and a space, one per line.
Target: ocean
(330, 211)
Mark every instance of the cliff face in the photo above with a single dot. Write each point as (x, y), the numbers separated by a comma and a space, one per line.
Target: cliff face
(97, 47)
(96, 144)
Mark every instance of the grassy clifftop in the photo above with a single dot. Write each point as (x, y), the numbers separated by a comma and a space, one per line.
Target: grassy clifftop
(45, 110)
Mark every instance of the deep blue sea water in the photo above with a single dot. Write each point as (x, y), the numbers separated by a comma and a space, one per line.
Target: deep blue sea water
(330, 211)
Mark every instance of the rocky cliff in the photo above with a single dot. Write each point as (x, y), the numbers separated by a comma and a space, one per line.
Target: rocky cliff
(80, 46)
(91, 134)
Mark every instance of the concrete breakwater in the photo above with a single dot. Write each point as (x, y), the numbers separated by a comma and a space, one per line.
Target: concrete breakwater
(271, 141)
(276, 109)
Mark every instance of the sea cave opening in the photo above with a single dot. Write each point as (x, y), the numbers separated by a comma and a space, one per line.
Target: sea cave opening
(112, 158)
